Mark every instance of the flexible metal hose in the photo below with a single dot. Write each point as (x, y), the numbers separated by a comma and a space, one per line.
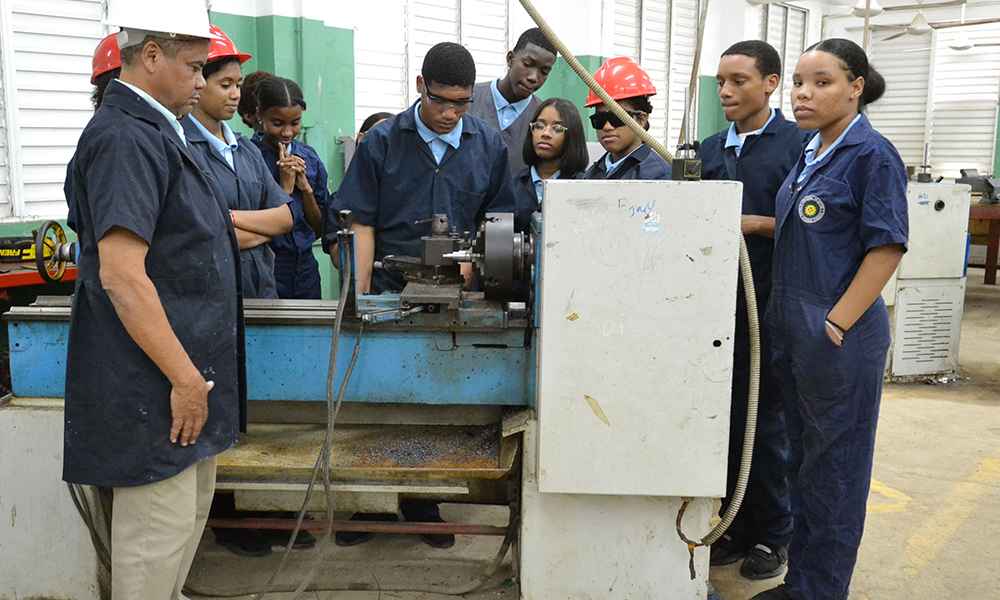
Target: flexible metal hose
(745, 271)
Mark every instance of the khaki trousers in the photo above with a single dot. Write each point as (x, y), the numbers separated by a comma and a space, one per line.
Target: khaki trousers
(155, 531)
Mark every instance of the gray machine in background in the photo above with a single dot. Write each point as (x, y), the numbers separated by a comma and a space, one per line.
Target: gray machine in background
(927, 293)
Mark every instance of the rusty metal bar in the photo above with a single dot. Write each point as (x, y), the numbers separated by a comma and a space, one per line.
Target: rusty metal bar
(372, 526)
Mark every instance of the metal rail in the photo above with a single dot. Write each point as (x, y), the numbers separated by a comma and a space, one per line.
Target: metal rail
(405, 527)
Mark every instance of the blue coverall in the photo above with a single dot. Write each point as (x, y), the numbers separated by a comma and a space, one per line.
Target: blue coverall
(296, 271)
(854, 201)
(643, 163)
(394, 181)
(764, 162)
(527, 197)
(247, 186)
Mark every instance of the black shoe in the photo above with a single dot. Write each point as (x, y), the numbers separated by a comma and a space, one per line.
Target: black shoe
(764, 563)
(779, 593)
(438, 540)
(346, 539)
(243, 542)
(726, 551)
(279, 537)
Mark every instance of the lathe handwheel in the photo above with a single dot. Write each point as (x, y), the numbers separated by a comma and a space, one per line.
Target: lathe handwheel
(49, 266)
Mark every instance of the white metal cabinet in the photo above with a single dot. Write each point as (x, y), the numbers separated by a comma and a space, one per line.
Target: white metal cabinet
(638, 294)
(939, 222)
(637, 311)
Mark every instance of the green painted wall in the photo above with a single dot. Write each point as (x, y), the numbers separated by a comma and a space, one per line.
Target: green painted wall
(710, 116)
(24, 229)
(321, 60)
(563, 82)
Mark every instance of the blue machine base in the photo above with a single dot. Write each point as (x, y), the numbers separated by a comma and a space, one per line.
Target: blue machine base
(290, 362)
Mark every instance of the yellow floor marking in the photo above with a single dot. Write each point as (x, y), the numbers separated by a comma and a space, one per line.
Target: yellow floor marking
(879, 509)
(888, 492)
(923, 546)
(911, 572)
(894, 507)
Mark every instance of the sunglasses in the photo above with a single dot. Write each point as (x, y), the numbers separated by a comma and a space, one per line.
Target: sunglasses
(536, 126)
(444, 104)
(601, 118)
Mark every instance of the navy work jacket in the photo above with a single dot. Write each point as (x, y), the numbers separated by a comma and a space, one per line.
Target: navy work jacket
(855, 200)
(131, 170)
(300, 239)
(527, 198)
(249, 187)
(394, 181)
(762, 166)
(643, 163)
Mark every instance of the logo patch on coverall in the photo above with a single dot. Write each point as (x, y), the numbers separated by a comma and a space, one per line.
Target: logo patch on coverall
(811, 209)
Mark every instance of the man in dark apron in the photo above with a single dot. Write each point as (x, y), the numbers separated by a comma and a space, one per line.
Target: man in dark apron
(155, 384)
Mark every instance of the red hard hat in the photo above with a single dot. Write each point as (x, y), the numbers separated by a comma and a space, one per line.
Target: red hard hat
(622, 78)
(107, 56)
(223, 47)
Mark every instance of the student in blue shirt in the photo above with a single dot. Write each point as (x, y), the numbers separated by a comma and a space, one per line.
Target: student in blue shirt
(759, 148)
(432, 158)
(429, 159)
(301, 174)
(840, 230)
(509, 103)
(259, 208)
(554, 148)
(627, 157)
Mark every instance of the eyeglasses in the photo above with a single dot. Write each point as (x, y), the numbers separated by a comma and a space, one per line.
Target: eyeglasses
(600, 118)
(443, 104)
(536, 126)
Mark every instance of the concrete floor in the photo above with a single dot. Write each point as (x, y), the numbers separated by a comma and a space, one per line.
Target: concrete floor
(932, 513)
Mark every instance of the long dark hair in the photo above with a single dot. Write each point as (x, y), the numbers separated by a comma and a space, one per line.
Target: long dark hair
(101, 84)
(575, 157)
(856, 64)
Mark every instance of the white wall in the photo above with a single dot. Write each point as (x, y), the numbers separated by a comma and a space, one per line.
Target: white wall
(337, 13)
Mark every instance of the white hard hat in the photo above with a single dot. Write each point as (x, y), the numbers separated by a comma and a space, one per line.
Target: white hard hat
(139, 18)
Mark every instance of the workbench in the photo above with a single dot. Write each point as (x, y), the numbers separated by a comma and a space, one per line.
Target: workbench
(991, 213)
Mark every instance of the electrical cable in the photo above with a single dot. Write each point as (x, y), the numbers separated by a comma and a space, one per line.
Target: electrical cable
(323, 460)
(745, 270)
(83, 506)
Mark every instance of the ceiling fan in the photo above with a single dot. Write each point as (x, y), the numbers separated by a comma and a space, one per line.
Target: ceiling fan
(876, 9)
(918, 26)
(961, 42)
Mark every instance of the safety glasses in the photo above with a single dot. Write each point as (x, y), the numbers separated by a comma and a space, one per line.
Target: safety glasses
(536, 126)
(601, 118)
(443, 104)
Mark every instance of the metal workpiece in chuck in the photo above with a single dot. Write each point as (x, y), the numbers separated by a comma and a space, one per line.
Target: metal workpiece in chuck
(500, 255)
